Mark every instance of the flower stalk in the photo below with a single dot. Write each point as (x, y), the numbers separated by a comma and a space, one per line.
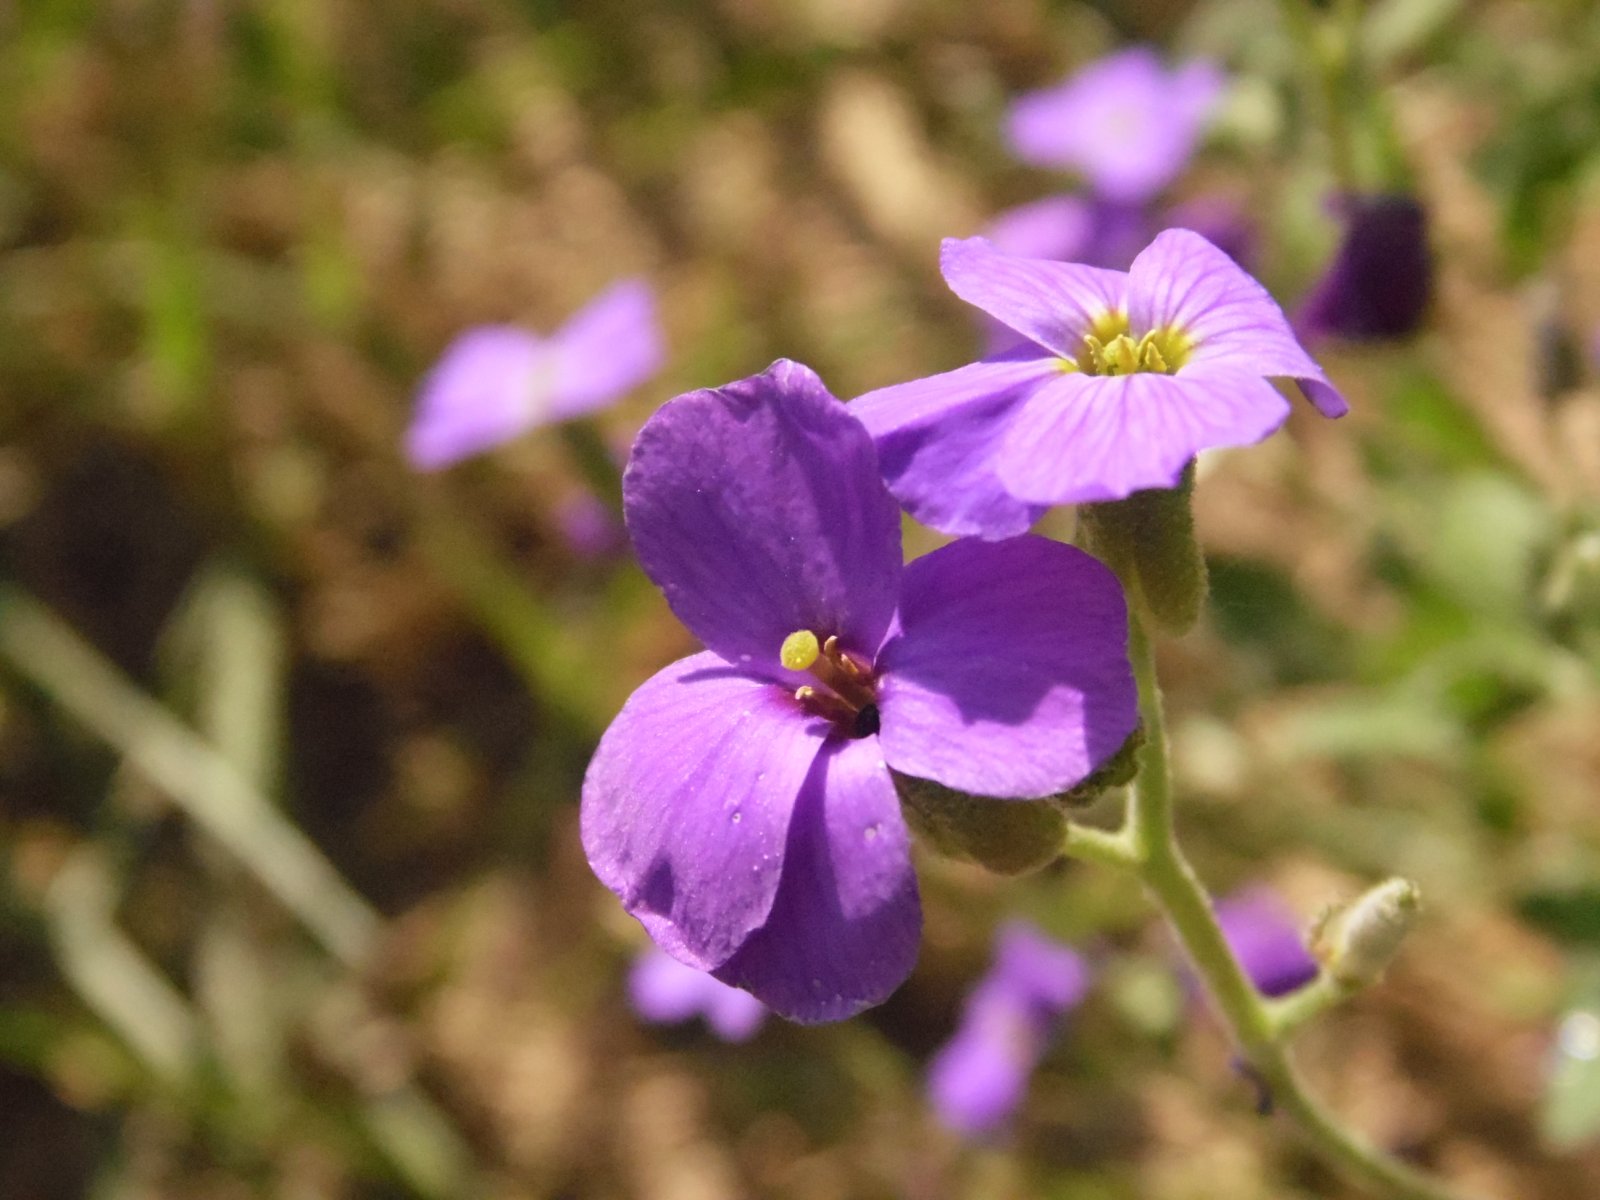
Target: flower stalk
(1261, 1027)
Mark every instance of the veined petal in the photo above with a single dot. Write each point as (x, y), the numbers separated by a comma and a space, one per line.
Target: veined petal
(490, 385)
(758, 509)
(844, 929)
(937, 439)
(610, 345)
(687, 804)
(1087, 438)
(1009, 676)
(1053, 303)
(1181, 281)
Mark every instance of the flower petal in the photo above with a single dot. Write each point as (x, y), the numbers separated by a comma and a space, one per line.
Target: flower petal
(1057, 227)
(844, 929)
(610, 345)
(937, 439)
(977, 1080)
(687, 804)
(1009, 676)
(665, 991)
(1182, 281)
(758, 509)
(1088, 438)
(1125, 122)
(490, 385)
(1053, 303)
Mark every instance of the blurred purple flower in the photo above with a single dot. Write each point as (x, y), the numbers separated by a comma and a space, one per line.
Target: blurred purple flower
(1100, 233)
(1123, 378)
(590, 527)
(666, 992)
(1381, 277)
(497, 382)
(979, 1077)
(1265, 938)
(1125, 122)
(741, 805)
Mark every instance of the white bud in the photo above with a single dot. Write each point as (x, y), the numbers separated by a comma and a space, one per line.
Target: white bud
(1356, 943)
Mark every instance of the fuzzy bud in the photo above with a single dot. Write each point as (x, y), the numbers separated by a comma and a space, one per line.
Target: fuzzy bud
(1009, 837)
(1357, 942)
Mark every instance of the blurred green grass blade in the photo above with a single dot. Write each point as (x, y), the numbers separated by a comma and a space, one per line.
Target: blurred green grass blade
(224, 651)
(112, 977)
(204, 783)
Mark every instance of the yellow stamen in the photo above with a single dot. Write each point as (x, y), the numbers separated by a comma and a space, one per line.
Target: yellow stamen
(800, 650)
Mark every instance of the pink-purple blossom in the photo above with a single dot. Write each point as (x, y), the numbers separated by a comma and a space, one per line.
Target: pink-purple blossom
(497, 382)
(1121, 379)
(978, 1079)
(664, 991)
(1265, 938)
(1380, 279)
(1126, 123)
(741, 804)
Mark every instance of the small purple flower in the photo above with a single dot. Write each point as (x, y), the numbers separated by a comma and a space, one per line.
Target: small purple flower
(1122, 379)
(666, 992)
(741, 805)
(1381, 278)
(979, 1077)
(497, 382)
(590, 527)
(1266, 940)
(1125, 122)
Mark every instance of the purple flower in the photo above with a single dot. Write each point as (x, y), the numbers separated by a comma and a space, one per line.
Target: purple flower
(666, 992)
(741, 805)
(590, 527)
(1125, 122)
(1101, 233)
(1104, 233)
(497, 382)
(1381, 278)
(978, 1078)
(1264, 937)
(1122, 380)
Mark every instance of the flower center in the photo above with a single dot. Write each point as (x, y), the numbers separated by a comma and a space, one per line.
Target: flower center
(845, 693)
(1109, 348)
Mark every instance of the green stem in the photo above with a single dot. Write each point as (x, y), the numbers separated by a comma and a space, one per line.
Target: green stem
(1329, 50)
(1172, 881)
(1287, 1013)
(592, 457)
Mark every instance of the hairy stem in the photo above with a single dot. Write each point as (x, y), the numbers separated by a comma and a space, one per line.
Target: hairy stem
(1259, 1028)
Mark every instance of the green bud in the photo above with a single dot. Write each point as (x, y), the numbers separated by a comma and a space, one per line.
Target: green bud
(1148, 540)
(1009, 837)
(1115, 772)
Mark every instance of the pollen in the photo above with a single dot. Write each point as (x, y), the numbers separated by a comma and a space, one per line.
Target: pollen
(1159, 353)
(800, 650)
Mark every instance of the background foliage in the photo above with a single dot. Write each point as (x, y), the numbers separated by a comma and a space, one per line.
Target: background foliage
(290, 737)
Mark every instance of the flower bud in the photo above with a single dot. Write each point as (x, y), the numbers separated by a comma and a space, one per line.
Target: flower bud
(1356, 943)
(1381, 278)
(1009, 837)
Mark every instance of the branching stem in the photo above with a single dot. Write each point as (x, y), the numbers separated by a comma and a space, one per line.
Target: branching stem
(1148, 845)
